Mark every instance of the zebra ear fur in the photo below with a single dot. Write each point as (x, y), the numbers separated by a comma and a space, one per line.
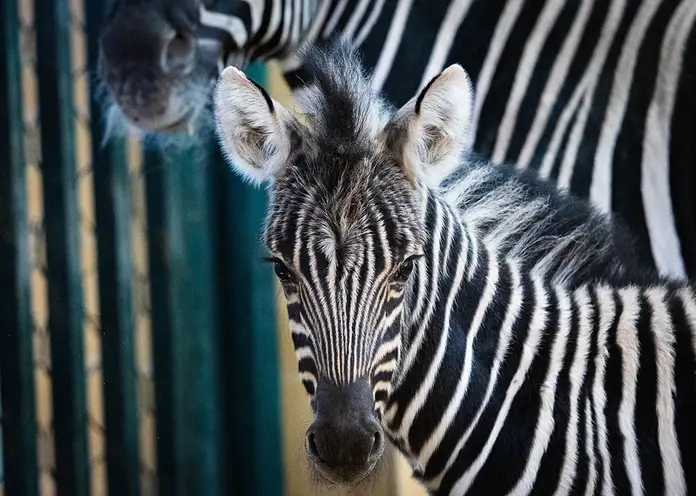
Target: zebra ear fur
(430, 133)
(256, 133)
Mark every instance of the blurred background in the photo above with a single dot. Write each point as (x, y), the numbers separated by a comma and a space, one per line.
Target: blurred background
(143, 345)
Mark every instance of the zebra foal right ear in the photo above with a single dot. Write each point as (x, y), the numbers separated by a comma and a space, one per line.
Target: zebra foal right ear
(430, 133)
(256, 133)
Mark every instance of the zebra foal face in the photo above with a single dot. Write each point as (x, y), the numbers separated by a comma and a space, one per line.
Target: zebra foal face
(345, 230)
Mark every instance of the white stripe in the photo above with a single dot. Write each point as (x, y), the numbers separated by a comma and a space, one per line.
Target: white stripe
(386, 348)
(589, 450)
(687, 298)
(389, 366)
(592, 73)
(506, 22)
(445, 37)
(335, 17)
(558, 75)
(531, 53)
(576, 375)
(545, 421)
(600, 190)
(391, 44)
(655, 189)
(663, 334)
(233, 25)
(454, 404)
(355, 19)
(370, 23)
(303, 352)
(607, 312)
(628, 343)
(536, 330)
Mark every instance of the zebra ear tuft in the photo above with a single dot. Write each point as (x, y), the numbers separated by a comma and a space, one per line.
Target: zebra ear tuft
(432, 131)
(257, 134)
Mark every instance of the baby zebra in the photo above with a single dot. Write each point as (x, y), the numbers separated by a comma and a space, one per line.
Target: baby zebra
(489, 326)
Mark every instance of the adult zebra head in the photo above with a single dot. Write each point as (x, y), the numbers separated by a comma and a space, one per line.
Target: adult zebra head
(345, 229)
(159, 59)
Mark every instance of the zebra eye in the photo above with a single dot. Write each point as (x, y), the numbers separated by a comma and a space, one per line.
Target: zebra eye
(283, 272)
(404, 270)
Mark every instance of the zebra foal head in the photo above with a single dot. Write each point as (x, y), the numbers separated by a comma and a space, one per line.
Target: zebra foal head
(345, 230)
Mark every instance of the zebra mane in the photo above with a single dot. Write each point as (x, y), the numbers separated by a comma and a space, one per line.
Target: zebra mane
(564, 238)
(343, 112)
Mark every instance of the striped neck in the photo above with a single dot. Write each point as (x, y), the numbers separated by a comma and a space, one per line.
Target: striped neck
(458, 281)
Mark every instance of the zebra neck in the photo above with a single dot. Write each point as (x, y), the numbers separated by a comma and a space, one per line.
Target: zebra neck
(439, 385)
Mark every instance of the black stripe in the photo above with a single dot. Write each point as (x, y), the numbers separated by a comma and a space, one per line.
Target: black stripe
(554, 457)
(613, 385)
(646, 405)
(682, 173)
(414, 51)
(419, 100)
(685, 394)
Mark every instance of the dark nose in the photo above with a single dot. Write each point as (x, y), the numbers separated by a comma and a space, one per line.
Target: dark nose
(345, 441)
(179, 54)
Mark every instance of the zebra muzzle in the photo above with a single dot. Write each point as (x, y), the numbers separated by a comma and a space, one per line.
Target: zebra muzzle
(345, 441)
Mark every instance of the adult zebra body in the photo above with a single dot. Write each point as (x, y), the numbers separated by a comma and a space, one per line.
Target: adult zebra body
(455, 306)
(599, 96)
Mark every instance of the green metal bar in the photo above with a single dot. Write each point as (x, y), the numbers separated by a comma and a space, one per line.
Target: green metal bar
(61, 222)
(184, 306)
(249, 337)
(16, 357)
(160, 319)
(112, 215)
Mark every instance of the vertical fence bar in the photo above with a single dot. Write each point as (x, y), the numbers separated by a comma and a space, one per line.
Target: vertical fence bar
(112, 211)
(184, 320)
(249, 337)
(16, 357)
(160, 318)
(61, 221)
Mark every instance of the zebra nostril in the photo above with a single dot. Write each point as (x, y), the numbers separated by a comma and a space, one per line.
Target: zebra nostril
(377, 445)
(312, 446)
(179, 53)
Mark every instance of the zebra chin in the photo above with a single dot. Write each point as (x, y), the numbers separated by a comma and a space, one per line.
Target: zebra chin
(345, 443)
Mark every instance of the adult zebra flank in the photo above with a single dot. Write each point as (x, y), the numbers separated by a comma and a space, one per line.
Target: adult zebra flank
(455, 307)
(598, 96)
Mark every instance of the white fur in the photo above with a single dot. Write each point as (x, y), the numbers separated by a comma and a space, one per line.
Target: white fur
(241, 111)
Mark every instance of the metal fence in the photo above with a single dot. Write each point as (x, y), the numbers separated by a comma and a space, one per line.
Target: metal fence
(137, 328)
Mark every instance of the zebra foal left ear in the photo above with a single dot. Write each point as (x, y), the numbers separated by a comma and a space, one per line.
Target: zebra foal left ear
(431, 132)
(256, 133)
